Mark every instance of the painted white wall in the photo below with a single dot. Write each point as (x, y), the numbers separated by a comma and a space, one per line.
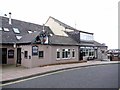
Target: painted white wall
(49, 55)
(26, 62)
(71, 59)
(55, 27)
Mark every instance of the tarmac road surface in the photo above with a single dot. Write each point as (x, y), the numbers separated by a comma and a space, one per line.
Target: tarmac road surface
(101, 76)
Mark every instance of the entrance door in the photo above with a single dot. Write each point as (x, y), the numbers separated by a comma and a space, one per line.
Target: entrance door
(4, 55)
(18, 55)
(81, 55)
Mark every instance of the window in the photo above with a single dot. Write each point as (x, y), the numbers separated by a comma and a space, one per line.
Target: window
(6, 29)
(86, 36)
(63, 53)
(29, 31)
(91, 52)
(34, 50)
(41, 54)
(0, 28)
(11, 54)
(66, 53)
(58, 53)
(18, 37)
(86, 53)
(16, 30)
(73, 53)
(26, 54)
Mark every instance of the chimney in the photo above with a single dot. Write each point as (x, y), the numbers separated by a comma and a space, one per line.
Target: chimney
(10, 21)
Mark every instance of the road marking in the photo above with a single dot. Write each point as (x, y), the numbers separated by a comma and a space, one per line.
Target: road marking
(43, 75)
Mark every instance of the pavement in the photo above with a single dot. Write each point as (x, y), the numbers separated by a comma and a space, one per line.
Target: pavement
(10, 73)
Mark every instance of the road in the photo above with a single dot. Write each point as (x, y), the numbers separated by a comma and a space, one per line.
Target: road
(101, 76)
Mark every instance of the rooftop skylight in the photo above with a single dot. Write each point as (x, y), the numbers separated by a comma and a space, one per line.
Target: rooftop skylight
(18, 37)
(6, 29)
(0, 28)
(16, 30)
(29, 31)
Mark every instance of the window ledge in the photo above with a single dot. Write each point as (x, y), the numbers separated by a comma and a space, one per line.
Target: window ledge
(66, 58)
(57, 59)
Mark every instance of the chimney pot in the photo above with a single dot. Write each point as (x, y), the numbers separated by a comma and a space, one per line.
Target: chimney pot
(9, 12)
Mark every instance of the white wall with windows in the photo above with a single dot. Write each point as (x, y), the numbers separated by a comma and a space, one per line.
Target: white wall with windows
(65, 53)
(46, 54)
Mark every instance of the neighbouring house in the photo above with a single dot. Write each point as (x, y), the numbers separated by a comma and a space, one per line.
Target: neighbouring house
(32, 45)
(114, 54)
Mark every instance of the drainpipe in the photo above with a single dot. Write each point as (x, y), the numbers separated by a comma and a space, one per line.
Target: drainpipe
(15, 54)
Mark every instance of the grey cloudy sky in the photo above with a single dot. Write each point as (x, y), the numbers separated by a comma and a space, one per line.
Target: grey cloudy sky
(97, 16)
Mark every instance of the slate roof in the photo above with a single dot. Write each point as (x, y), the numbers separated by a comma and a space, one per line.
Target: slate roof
(24, 27)
(28, 38)
(53, 40)
(62, 40)
(9, 37)
(57, 40)
(75, 35)
(99, 44)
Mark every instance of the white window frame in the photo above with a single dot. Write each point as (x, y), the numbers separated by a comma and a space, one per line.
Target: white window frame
(16, 30)
(6, 29)
(58, 50)
(1, 29)
(18, 37)
(74, 53)
(29, 31)
(67, 52)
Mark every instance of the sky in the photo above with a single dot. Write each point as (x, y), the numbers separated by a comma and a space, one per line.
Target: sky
(96, 16)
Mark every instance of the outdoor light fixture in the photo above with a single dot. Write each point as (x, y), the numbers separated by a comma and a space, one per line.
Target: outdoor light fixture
(14, 45)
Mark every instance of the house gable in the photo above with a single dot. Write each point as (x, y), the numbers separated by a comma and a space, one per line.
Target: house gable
(56, 27)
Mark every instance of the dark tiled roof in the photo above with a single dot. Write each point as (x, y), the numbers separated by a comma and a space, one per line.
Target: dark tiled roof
(87, 44)
(75, 35)
(99, 44)
(9, 37)
(28, 38)
(54, 40)
(24, 27)
(62, 40)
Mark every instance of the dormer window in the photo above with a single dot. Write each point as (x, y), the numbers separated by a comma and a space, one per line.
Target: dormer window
(0, 28)
(16, 30)
(18, 37)
(29, 31)
(6, 29)
(86, 36)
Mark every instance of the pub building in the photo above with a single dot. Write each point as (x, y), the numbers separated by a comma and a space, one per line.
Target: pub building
(31, 45)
